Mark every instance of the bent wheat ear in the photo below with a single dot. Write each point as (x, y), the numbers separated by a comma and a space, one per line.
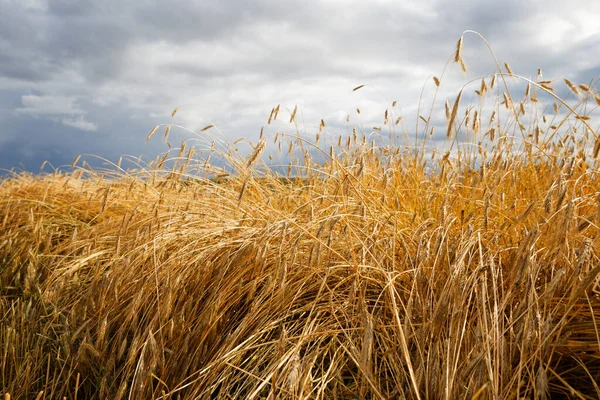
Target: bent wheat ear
(293, 114)
(458, 53)
(596, 148)
(584, 87)
(271, 116)
(572, 87)
(75, 161)
(547, 87)
(475, 126)
(256, 153)
(152, 132)
(453, 115)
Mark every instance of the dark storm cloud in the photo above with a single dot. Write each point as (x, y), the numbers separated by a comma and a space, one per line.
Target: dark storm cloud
(93, 36)
(36, 140)
(22, 67)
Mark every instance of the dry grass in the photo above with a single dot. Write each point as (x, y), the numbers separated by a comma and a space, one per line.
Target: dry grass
(378, 275)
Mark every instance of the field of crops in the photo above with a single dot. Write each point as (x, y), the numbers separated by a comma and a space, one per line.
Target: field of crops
(384, 272)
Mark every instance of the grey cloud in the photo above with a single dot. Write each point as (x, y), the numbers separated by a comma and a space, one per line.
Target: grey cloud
(25, 67)
(83, 67)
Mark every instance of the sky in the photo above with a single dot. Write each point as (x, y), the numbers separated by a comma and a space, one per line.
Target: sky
(95, 76)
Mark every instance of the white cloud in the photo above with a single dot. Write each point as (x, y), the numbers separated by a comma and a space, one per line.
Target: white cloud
(48, 105)
(81, 124)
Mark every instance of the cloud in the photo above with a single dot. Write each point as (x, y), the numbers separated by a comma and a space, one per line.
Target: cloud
(81, 124)
(48, 105)
(228, 63)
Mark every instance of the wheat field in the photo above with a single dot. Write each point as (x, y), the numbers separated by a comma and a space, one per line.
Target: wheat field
(381, 272)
